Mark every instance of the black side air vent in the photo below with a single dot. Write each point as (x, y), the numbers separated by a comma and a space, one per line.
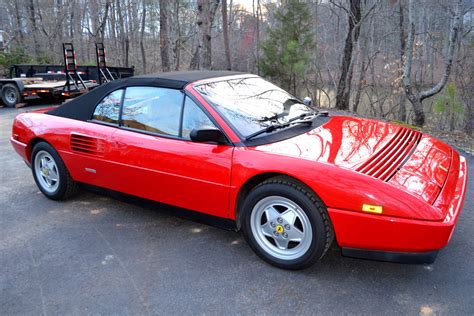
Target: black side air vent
(87, 145)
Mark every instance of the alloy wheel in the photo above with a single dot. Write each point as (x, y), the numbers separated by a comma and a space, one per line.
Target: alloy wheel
(281, 227)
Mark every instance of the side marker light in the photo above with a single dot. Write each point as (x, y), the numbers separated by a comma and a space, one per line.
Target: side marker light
(372, 208)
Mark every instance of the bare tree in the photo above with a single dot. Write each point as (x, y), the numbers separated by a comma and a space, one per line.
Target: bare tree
(355, 19)
(370, 62)
(18, 21)
(177, 41)
(353, 31)
(416, 97)
(33, 28)
(123, 34)
(225, 29)
(202, 58)
(142, 35)
(401, 17)
(165, 42)
(469, 103)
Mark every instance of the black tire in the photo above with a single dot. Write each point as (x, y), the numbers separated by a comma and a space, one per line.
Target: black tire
(311, 205)
(10, 95)
(67, 187)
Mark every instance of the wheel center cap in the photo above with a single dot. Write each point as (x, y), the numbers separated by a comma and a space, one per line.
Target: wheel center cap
(279, 229)
(46, 171)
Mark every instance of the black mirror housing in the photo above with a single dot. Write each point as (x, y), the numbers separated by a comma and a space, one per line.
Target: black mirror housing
(208, 135)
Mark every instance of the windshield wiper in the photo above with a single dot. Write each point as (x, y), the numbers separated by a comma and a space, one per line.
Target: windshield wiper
(282, 114)
(302, 116)
(273, 117)
(273, 127)
(309, 116)
(295, 120)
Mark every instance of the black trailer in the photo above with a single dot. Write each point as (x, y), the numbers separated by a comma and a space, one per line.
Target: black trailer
(57, 81)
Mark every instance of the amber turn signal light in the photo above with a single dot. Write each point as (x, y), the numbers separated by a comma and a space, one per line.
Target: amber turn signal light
(372, 208)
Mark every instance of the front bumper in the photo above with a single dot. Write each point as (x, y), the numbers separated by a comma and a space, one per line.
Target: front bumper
(391, 256)
(371, 234)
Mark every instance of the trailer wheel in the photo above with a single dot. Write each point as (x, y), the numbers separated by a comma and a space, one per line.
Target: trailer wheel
(10, 95)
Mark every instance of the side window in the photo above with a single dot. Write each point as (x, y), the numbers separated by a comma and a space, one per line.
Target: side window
(152, 109)
(108, 109)
(193, 117)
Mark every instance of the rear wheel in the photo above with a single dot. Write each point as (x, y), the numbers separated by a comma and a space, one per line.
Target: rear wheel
(50, 173)
(10, 95)
(286, 224)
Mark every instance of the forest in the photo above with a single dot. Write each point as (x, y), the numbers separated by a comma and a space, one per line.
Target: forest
(410, 61)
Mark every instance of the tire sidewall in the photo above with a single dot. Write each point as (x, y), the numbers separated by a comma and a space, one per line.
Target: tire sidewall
(62, 172)
(17, 93)
(317, 247)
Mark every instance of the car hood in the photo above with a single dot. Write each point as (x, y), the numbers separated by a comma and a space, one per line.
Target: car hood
(400, 156)
(347, 142)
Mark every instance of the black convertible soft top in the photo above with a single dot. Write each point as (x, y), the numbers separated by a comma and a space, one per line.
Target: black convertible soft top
(82, 107)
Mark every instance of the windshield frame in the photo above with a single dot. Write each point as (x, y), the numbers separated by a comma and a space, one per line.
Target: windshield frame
(274, 136)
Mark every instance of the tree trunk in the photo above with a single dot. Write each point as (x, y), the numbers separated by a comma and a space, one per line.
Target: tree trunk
(202, 58)
(469, 120)
(419, 119)
(94, 18)
(18, 23)
(361, 79)
(469, 104)
(130, 32)
(127, 49)
(257, 48)
(402, 113)
(165, 42)
(142, 36)
(177, 43)
(101, 28)
(71, 22)
(32, 14)
(225, 27)
(123, 36)
(344, 85)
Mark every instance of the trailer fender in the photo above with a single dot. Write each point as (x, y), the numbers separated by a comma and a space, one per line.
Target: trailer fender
(16, 81)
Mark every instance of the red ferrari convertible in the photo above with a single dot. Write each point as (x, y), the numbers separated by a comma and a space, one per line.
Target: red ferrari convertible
(235, 146)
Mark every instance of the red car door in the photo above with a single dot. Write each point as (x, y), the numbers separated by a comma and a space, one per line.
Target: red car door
(87, 145)
(154, 158)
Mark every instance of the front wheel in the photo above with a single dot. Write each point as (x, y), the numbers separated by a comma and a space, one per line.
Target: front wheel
(50, 173)
(286, 224)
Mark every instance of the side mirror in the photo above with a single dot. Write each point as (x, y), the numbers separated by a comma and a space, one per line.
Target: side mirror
(207, 135)
(308, 101)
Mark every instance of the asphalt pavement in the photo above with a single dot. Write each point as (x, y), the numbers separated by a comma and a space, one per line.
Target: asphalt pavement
(94, 254)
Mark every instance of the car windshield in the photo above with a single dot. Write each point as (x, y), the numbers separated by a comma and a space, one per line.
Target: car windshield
(252, 104)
